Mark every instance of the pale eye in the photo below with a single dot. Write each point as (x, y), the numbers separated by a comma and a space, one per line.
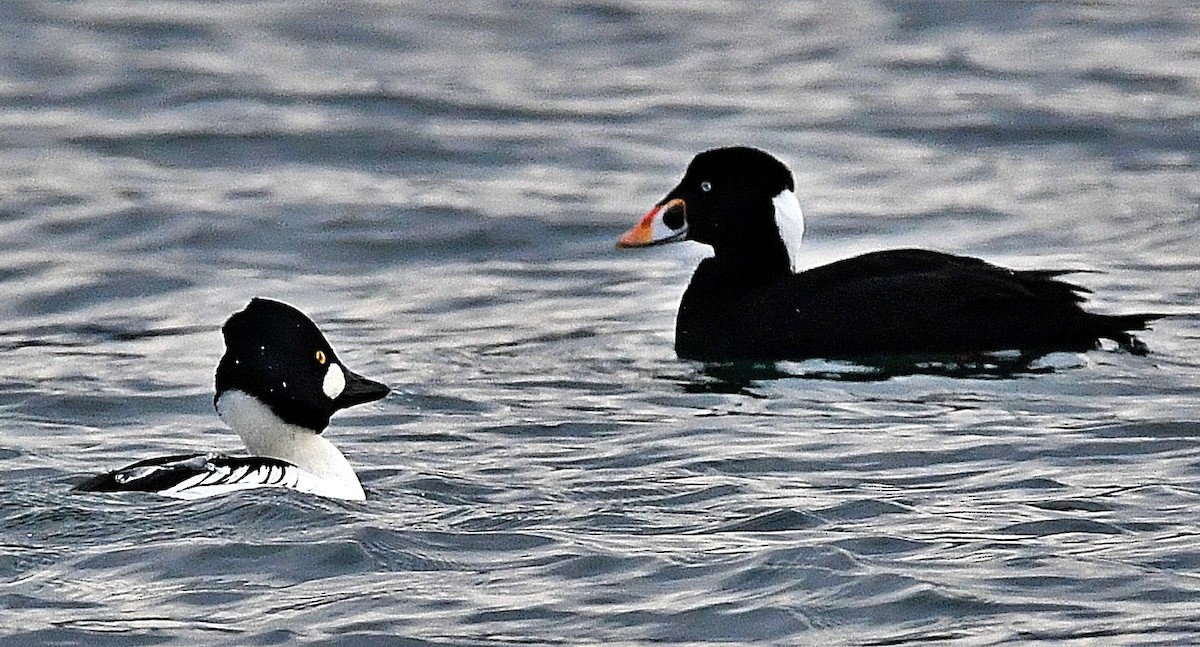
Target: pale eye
(706, 186)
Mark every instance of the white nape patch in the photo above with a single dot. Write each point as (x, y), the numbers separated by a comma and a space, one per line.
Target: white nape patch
(335, 381)
(790, 221)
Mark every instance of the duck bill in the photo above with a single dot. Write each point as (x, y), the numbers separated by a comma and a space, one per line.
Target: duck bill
(666, 223)
(358, 390)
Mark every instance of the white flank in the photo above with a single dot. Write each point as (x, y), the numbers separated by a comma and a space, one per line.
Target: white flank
(334, 382)
(790, 221)
(223, 480)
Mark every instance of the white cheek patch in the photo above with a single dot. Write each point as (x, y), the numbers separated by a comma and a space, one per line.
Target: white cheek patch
(790, 221)
(335, 382)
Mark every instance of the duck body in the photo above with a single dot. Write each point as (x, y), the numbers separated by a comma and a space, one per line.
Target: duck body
(748, 302)
(901, 301)
(277, 385)
(195, 476)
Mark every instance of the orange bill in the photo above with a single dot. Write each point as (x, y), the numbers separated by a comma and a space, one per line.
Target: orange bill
(653, 228)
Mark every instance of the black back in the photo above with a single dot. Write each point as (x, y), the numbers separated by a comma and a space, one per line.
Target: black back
(889, 302)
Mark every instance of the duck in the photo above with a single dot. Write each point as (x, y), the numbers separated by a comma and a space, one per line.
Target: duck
(750, 301)
(277, 384)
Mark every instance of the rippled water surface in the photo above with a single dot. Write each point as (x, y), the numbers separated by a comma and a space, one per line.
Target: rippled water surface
(440, 185)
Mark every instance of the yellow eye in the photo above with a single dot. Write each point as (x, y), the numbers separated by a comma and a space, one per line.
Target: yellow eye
(321, 357)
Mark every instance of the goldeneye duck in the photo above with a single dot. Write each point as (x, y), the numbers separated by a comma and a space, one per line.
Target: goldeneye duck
(277, 385)
(749, 302)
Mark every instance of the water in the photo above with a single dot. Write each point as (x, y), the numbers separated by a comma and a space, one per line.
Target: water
(440, 187)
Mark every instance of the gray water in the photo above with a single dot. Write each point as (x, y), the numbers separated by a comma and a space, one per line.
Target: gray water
(439, 185)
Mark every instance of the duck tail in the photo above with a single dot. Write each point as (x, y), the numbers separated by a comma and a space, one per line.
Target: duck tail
(1118, 328)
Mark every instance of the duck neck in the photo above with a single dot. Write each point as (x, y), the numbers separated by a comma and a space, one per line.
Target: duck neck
(739, 271)
(266, 435)
(767, 254)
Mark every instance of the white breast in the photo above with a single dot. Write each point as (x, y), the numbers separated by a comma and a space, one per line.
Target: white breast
(266, 435)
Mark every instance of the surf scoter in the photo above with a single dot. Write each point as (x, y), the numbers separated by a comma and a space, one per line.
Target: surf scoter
(749, 302)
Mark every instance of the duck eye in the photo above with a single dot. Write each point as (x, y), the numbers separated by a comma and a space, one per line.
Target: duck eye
(706, 186)
(321, 357)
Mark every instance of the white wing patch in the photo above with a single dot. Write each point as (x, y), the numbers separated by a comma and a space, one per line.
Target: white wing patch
(335, 381)
(790, 221)
(221, 479)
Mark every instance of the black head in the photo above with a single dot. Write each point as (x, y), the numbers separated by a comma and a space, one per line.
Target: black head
(739, 200)
(278, 355)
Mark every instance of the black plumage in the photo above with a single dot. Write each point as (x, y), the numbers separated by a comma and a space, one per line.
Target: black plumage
(746, 303)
